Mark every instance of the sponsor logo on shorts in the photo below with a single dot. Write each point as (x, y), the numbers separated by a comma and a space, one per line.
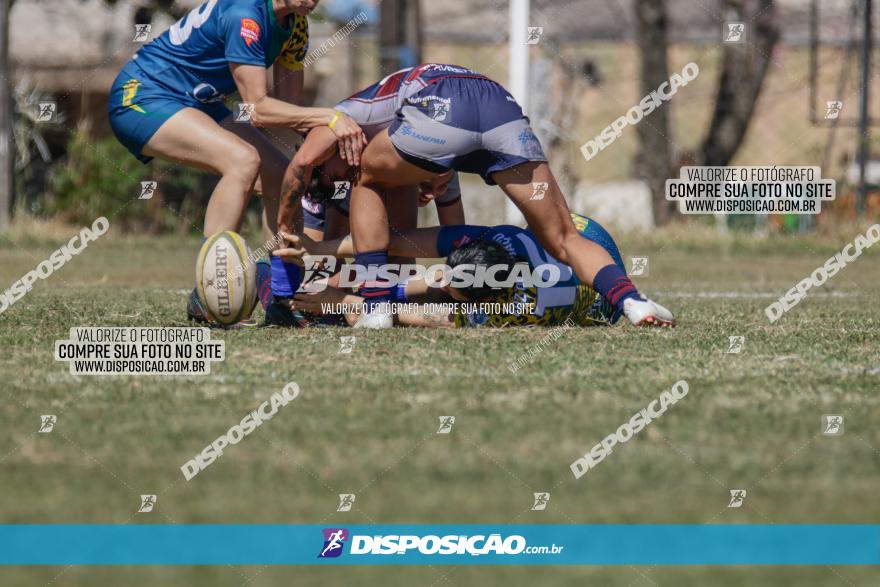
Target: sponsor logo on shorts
(250, 31)
(407, 131)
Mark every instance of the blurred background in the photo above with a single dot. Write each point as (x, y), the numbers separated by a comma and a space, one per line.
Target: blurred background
(576, 66)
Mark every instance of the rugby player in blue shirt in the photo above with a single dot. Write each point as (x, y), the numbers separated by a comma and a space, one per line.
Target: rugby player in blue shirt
(167, 102)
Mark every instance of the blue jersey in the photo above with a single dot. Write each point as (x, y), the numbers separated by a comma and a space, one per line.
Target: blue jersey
(568, 299)
(193, 56)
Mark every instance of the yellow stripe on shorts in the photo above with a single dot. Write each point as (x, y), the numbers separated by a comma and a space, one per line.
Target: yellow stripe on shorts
(129, 91)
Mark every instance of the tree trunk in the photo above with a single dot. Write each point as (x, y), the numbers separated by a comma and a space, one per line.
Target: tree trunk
(7, 145)
(743, 67)
(654, 159)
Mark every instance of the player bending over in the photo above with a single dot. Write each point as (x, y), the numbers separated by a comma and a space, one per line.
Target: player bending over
(167, 102)
(448, 117)
(568, 301)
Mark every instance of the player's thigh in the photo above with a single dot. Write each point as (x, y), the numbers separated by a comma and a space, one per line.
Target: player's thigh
(403, 207)
(534, 190)
(193, 138)
(382, 165)
(272, 161)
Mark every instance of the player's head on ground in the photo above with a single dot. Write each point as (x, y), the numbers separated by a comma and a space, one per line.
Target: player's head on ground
(480, 254)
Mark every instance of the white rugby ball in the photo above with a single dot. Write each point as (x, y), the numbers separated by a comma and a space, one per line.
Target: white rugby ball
(226, 278)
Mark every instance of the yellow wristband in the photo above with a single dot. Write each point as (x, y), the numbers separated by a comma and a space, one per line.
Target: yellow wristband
(335, 118)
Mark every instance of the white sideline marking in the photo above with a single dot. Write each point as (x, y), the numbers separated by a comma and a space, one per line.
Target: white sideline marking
(751, 295)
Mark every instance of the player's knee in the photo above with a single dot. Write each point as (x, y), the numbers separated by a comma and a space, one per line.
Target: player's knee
(244, 162)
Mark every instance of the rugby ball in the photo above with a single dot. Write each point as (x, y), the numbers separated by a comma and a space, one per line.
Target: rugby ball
(226, 278)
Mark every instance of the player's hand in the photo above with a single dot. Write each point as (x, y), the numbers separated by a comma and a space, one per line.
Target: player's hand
(297, 247)
(351, 138)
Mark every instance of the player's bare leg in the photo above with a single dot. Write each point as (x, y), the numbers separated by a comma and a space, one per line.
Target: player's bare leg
(273, 163)
(382, 168)
(549, 219)
(192, 138)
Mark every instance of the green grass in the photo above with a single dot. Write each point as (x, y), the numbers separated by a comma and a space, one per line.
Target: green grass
(365, 423)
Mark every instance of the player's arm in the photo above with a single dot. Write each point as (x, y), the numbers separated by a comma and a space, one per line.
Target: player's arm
(251, 81)
(451, 213)
(319, 145)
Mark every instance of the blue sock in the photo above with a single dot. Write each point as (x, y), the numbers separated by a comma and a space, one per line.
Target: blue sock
(286, 278)
(374, 291)
(398, 293)
(612, 284)
(264, 282)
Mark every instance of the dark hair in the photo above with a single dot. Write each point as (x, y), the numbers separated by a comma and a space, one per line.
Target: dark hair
(482, 253)
(319, 189)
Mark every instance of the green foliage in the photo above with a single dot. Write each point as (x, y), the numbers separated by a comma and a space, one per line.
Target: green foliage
(99, 177)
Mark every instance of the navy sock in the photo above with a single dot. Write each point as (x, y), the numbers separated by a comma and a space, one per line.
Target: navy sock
(612, 284)
(373, 291)
(286, 278)
(264, 282)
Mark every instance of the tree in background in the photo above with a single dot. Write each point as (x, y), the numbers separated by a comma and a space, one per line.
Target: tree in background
(654, 159)
(743, 69)
(742, 72)
(7, 144)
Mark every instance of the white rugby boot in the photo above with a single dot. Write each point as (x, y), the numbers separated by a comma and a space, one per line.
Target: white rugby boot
(644, 312)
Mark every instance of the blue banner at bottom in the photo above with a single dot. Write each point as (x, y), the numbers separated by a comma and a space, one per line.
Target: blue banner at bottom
(417, 544)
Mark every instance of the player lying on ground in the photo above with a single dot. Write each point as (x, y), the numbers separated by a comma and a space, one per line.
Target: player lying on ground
(325, 211)
(167, 102)
(567, 301)
(449, 117)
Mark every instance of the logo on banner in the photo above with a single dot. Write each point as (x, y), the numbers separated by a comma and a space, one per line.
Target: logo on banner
(334, 540)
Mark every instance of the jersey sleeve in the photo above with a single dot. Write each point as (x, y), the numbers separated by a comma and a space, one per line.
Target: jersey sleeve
(293, 53)
(244, 37)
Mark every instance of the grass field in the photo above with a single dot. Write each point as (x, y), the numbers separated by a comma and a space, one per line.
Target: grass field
(366, 422)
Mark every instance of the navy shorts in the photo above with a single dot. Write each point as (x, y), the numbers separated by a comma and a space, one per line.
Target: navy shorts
(137, 107)
(468, 124)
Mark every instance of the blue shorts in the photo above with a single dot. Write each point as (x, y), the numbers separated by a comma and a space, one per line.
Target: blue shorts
(137, 107)
(468, 124)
